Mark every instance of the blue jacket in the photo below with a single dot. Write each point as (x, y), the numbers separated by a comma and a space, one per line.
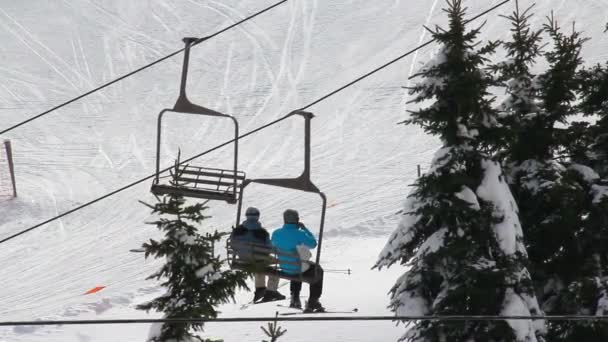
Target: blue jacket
(286, 238)
(250, 231)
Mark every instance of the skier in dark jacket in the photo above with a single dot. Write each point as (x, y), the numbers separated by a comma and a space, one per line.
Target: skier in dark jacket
(251, 232)
(294, 237)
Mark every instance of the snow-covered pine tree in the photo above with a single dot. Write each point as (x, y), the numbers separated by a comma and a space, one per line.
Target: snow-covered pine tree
(460, 233)
(528, 168)
(594, 102)
(516, 76)
(552, 187)
(585, 146)
(592, 143)
(192, 274)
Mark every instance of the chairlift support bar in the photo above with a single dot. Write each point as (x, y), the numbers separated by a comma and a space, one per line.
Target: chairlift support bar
(302, 182)
(184, 106)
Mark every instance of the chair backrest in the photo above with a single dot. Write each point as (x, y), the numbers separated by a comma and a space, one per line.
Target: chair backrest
(257, 257)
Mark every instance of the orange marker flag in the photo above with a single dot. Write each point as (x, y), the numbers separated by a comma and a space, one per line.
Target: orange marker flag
(95, 290)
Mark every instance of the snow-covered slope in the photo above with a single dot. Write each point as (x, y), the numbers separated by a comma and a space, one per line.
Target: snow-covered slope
(280, 61)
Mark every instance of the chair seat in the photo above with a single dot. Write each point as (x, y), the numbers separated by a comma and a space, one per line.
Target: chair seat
(200, 182)
(272, 271)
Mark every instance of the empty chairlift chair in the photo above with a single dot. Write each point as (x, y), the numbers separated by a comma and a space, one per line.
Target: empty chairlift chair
(194, 181)
(253, 257)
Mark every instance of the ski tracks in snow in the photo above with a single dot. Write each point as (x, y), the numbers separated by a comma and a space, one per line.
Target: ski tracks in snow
(415, 57)
(287, 72)
(229, 14)
(361, 159)
(35, 51)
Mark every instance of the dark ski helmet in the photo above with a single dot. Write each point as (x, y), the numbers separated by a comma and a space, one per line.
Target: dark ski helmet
(252, 212)
(291, 216)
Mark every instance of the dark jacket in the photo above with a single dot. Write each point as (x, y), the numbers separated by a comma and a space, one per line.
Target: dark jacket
(247, 233)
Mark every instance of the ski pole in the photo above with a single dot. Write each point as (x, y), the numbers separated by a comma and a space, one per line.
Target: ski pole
(346, 271)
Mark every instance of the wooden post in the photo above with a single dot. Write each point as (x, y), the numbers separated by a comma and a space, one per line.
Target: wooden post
(11, 166)
(419, 172)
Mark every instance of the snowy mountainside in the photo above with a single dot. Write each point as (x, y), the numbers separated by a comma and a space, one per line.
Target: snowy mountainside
(261, 70)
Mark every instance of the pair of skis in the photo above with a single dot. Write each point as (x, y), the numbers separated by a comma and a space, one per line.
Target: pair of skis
(301, 311)
(298, 311)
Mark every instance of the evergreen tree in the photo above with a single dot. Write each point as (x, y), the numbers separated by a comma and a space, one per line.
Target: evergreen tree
(586, 146)
(590, 141)
(274, 331)
(551, 180)
(529, 170)
(460, 232)
(522, 103)
(585, 284)
(192, 273)
(594, 102)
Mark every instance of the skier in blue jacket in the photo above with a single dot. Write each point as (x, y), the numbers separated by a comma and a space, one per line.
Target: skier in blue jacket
(244, 236)
(293, 237)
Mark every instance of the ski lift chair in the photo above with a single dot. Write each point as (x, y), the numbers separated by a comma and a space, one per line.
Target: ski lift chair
(194, 181)
(264, 259)
(259, 258)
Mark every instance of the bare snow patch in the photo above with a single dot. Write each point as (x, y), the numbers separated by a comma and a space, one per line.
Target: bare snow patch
(24, 329)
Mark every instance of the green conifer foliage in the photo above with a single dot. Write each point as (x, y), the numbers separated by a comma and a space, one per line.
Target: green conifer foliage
(551, 197)
(460, 232)
(522, 103)
(552, 182)
(193, 275)
(594, 102)
(457, 122)
(585, 147)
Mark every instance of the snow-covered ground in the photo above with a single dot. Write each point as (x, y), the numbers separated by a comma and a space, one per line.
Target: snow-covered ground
(285, 59)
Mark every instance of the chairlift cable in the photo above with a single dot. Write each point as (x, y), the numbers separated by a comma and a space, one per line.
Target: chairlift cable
(233, 140)
(132, 184)
(313, 317)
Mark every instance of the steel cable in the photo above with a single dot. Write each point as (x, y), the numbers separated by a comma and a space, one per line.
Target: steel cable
(452, 318)
(241, 136)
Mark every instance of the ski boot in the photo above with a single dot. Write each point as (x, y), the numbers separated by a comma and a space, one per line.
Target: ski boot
(313, 305)
(271, 295)
(259, 293)
(295, 302)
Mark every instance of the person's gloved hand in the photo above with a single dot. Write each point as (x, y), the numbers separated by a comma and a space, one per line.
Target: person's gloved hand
(301, 225)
